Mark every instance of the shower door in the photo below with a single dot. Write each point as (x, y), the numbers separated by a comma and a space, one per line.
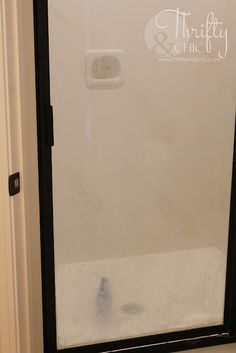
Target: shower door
(137, 195)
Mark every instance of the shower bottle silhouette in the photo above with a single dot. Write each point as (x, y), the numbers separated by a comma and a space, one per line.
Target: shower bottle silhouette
(104, 298)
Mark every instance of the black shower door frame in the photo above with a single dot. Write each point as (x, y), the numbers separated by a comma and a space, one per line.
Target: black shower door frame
(170, 342)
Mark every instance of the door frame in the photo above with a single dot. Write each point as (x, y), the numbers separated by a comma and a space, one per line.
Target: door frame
(168, 342)
(21, 322)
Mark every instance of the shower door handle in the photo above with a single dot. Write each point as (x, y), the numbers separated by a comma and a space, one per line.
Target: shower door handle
(49, 126)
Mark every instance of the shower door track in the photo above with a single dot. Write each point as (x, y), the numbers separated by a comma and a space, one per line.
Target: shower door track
(168, 342)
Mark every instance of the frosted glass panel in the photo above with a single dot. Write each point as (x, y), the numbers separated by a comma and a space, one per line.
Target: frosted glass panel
(144, 114)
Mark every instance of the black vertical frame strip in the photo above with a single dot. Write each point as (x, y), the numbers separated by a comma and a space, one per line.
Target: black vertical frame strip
(169, 342)
(230, 294)
(45, 172)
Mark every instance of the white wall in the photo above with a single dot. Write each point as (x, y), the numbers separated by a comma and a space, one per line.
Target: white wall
(146, 167)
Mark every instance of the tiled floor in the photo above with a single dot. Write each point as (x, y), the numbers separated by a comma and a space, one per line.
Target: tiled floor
(230, 348)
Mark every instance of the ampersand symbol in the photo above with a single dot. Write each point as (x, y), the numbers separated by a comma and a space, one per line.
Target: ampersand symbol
(161, 42)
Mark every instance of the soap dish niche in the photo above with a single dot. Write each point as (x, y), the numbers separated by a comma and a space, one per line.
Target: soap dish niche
(105, 69)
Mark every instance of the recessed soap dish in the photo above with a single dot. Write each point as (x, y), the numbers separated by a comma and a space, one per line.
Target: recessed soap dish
(105, 68)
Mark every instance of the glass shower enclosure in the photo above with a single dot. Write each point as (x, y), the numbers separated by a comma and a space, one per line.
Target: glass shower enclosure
(137, 192)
